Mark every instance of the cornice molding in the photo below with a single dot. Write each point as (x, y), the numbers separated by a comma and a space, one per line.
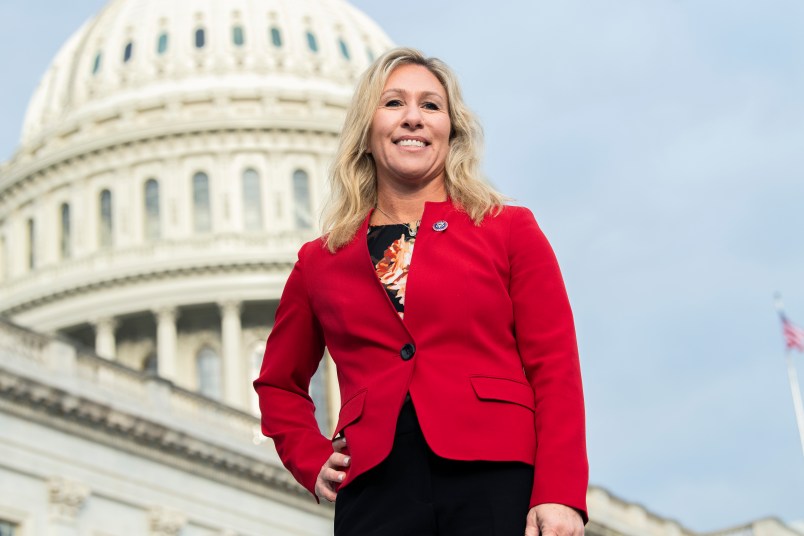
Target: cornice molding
(25, 167)
(103, 424)
(111, 283)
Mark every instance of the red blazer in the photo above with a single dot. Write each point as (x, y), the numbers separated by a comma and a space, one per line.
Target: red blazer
(487, 351)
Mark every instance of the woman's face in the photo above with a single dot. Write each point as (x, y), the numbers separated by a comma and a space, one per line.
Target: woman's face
(409, 135)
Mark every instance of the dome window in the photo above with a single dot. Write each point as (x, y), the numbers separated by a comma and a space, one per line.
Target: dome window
(105, 237)
(301, 200)
(312, 43)
(150, 365)
(31, 244)
(128, 51)
(237, 36)
(200, 38)
(96, 65)
(162, 43)
(276, 37)
(153, 224)
(66, 232)
(202, 212)
(344, 49)
(208, 370)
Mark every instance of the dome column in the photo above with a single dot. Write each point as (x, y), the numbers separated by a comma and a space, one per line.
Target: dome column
(105, 343)
(234, 379)
(166, 342)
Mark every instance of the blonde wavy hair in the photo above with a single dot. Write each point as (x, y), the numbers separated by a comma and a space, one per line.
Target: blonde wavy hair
(353, 178)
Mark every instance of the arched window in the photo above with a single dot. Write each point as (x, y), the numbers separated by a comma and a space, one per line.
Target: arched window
(200, 38)
(96, 65)
(344, 48)
(252, 201)
(301, 200)
(128, 51)
(208, 367)
(162, 43)
(153, 224)
(318, 392)
(7, 528)
(276, 37)
(66, 232)
(255, 363)
(106, 229)
(237, 36)
(151, 366)
(31, 243)
(202, 212)
(312, 43)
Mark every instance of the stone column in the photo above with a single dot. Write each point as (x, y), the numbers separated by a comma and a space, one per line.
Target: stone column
(166, 343)
(234, 378)
(105, 343)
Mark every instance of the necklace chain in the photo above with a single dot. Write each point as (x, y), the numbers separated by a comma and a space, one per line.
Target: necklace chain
(412, 230)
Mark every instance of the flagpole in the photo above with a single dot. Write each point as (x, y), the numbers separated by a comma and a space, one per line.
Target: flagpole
(794, 388)
(798, 407)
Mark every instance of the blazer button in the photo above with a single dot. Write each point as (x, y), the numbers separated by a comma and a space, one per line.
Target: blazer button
(407, 351)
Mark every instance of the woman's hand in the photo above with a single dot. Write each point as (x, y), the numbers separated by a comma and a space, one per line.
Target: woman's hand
(331, 473)
(552, 519)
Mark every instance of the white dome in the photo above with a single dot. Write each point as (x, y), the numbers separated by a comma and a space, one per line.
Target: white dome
(142, 52)
(173, 159)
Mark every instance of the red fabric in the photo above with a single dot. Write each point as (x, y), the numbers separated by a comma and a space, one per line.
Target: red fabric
(495, 375)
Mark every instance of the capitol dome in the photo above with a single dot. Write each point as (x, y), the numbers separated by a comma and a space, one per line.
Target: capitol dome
(142, 56)
(172, 161)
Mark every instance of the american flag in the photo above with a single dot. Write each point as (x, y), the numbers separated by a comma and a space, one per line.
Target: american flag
(793, 335)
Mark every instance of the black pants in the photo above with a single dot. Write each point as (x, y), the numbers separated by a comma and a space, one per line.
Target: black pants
(413, 492)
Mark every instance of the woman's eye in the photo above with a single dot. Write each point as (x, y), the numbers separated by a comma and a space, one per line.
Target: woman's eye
(393, 103)
(431, 106)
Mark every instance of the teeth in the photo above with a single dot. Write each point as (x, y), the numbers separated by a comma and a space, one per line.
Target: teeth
(411, 143)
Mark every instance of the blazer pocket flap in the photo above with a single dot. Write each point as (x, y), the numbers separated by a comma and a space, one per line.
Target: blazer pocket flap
(351, 411)
(504, 390)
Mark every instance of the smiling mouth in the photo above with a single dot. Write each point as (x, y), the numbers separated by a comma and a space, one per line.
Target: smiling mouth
(411, 143)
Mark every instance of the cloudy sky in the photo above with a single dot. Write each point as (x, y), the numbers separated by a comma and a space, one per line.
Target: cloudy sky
(661, 145)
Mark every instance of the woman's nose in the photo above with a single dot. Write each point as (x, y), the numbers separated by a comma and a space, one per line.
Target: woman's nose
(412, 117)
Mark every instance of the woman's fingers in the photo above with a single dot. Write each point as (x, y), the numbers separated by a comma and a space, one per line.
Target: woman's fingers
(339, 460)
(339, 443)
(331, 475)
(323, 490)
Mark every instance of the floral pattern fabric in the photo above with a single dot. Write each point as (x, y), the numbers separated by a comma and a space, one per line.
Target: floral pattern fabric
(391, 250)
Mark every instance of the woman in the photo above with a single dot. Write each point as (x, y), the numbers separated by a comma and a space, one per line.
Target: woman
(462, 408)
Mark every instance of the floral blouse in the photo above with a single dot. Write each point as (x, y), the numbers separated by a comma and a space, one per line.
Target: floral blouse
(391, 250)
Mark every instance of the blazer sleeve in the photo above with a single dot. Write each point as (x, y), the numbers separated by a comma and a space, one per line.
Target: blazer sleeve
(545, 335)
(292, 354)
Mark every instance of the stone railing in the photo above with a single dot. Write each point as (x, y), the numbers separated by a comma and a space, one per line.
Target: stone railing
(48, 380)
(612, 516)
(56, 362)
(22, 342)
